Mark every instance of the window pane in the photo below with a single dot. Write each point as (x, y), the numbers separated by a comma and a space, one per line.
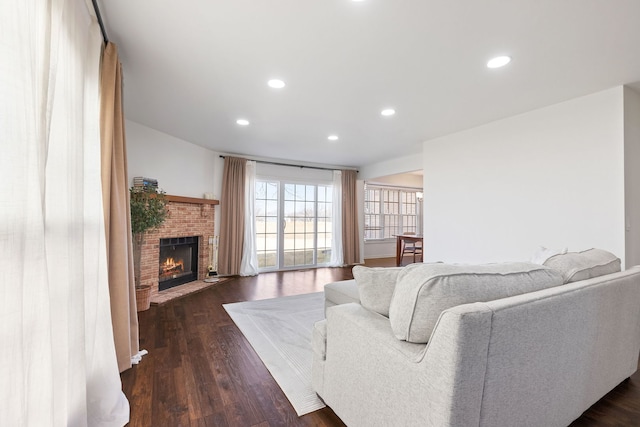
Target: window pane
(272, 191)
(289, 258)
(271, 224)
(267, 259)
(322, 209)
(289, 209)
(260, 207)
(308, 257)
(324, 256)
(261, 189)
(289, 192)
(271, 242)
(301, 191)
(289, 242)
(272, 207)
(322, 194)
(260, 226)
(310, 210)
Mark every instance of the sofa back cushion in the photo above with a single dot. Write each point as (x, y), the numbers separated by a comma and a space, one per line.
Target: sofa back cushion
(375, 286)
(423, 291)
(576, 266)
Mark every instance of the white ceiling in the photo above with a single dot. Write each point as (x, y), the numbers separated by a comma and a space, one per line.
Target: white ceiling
(192, 68)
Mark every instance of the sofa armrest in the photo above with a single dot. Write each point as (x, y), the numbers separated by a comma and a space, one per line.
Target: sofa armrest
(371, 378)
(319, 347)
(319, 339)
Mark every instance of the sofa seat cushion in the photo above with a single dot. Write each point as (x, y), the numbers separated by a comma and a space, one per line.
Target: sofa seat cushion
(375, 286)
(576, 266)
(342, 292)
(423, 291)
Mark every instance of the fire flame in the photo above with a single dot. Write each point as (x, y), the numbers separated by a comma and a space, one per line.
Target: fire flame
(171, 266)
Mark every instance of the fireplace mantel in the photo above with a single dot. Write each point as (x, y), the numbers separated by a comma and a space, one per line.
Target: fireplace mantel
(195, 200)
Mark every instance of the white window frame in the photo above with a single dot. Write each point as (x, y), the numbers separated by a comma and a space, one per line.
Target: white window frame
(377, 210)
(281, 182)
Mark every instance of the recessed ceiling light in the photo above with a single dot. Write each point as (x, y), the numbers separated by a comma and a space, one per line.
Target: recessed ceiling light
(332, 137)
(276, 83)
(242, 122)
(499, 61)
(388, 112)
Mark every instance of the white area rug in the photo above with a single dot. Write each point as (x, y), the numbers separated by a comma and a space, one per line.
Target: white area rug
(279, 329)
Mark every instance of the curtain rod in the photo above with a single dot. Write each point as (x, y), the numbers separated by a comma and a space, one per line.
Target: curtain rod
(293, 166)
(382, 185)
(103, 30)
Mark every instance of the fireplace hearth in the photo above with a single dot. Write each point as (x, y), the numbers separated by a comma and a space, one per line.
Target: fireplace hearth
(178, 261)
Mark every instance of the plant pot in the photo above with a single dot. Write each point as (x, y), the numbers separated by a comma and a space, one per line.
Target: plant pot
(143, 297)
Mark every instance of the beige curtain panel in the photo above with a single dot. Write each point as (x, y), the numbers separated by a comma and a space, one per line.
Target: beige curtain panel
(350, 234)
(117, 215)
(232, 216)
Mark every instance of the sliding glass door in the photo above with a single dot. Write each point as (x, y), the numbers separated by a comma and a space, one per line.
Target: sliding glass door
(293, 224)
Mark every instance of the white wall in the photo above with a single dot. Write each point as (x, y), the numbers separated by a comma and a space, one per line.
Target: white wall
(399, 180)
(552, 177)
(294, 174)
(393, 166)
(632, 174)
(181, 168)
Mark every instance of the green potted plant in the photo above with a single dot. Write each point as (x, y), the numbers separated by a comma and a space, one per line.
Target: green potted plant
(148, 211)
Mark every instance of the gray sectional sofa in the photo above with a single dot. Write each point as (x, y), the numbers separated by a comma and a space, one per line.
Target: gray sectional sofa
(512, 344)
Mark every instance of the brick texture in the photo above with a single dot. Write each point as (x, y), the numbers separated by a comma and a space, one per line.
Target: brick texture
(184, 220)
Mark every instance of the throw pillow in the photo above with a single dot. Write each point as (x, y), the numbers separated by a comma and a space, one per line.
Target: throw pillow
(576, 266)
(542, 254)
(424, 291)
(375, 286)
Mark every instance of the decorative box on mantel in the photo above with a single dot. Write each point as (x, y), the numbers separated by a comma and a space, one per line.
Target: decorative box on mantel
(188, 217)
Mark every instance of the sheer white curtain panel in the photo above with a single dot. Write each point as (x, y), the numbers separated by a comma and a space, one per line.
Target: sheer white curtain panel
(249, 262)
(57, 359)
(337, 257)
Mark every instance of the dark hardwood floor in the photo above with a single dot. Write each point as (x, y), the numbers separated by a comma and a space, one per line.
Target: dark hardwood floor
(201, 371)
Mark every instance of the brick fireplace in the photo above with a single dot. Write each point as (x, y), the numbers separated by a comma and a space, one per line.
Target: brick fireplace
(188, 217)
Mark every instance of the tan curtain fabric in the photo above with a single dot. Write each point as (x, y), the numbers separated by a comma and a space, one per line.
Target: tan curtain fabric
(232, 216)
(115, 194)
(350, 234)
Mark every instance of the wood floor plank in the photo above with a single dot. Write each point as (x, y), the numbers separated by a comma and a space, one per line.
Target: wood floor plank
(201, 370)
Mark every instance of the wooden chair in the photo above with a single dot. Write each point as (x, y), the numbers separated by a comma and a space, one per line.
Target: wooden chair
(413, 248)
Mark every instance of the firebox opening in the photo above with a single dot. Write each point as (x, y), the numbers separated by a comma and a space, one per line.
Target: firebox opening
(178, 261)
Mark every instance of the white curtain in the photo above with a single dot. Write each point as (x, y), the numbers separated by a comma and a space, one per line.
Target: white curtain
(57, 358)
(337, 257)
(249, 262)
